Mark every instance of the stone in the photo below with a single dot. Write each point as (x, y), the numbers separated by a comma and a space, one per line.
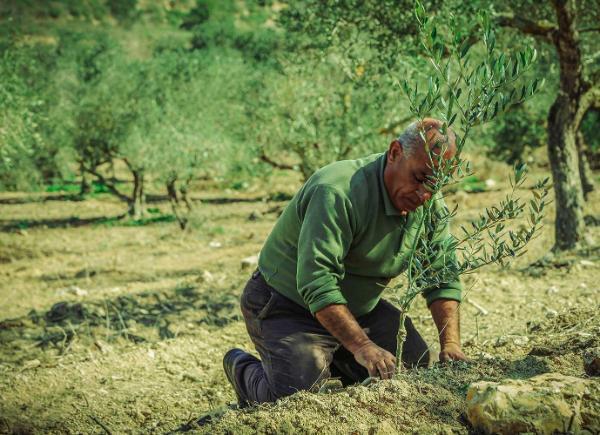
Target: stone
(249, 262)
(516, 340)
(255, 215)
(206, 277)
(545, 404)
(591, 361)
(490, 183)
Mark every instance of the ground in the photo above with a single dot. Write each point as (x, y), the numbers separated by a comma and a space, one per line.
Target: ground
(109, 326)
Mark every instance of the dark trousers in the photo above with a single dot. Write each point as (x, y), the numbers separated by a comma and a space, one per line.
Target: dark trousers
(298, 353)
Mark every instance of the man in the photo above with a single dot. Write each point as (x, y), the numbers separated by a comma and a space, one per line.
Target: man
(313, 308)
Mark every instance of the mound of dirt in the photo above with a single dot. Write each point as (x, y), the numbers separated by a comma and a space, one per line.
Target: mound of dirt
(429, 400)
(399, 405)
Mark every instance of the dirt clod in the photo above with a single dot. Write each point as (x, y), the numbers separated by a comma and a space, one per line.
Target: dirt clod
(591, 361)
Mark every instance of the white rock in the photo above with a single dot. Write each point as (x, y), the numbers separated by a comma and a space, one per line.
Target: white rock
(74, 290)
(206, 276)
(490, 183)
(517, 340)
(552, 290)
(550, 313)
(545, 404)
(249, 262)
(215, 244)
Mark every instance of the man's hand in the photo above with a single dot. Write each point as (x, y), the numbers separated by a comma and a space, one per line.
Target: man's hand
(452, 352)
(376, 360)
(340, 322)
(446, 316)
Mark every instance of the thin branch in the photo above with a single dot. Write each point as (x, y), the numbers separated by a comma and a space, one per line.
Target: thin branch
(275, 164)
(589, 29)
(542, 28)
(389, 129)
(110, 186)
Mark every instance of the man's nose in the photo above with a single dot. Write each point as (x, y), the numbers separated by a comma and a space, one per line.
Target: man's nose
(423, 193)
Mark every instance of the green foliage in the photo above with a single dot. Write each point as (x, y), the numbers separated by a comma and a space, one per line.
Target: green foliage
(515, 133)
(590, 126)
(318, 112)
(30, 153)
(245, 27)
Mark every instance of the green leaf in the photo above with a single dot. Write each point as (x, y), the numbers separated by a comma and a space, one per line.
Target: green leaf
(515, 69)
(464, 49)
(452, 118)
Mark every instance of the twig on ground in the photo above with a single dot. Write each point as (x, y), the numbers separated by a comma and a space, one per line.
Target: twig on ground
(482, 310)
(99, 423)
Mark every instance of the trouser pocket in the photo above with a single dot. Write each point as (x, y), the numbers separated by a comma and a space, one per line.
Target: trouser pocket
(257, 301)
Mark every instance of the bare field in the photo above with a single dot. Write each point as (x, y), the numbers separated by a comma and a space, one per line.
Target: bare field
(111, 327)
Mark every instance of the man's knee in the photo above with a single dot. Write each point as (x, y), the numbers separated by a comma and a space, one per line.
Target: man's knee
(304, 364)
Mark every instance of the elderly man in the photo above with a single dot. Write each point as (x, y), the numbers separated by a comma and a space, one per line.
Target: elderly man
(313, 308)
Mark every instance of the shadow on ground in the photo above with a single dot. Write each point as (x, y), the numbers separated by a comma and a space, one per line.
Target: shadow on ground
(144, 317)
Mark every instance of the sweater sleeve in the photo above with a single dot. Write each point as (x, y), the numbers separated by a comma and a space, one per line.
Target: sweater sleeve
(325, 237)
(447, 284)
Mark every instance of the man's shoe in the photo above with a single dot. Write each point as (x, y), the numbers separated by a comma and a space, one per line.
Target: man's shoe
(230, 360)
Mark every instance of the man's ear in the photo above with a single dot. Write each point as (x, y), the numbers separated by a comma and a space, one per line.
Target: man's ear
(395, 151)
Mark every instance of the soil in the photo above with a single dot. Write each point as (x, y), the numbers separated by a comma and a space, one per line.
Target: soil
(107, 326)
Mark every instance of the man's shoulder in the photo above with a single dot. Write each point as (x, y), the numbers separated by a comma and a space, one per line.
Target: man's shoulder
(347, 176)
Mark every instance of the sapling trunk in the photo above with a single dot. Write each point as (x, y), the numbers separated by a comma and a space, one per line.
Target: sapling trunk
(400, 339)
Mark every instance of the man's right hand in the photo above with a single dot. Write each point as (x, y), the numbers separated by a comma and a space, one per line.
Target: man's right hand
(376, 360)
(340, 322)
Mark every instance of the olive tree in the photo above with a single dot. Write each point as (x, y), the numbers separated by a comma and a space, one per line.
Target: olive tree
(321, 110)
(464, 92)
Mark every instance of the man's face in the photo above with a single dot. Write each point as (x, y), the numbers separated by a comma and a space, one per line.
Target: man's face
(406, 177)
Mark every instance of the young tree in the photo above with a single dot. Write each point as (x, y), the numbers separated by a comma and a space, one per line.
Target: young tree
(464, 93)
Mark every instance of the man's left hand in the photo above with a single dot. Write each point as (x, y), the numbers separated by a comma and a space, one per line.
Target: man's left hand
(452, 352)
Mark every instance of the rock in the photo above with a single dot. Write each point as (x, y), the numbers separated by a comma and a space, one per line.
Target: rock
(249, 262)
(490, 183)
(384, 428)
(74, 290)
(517, 340)
(215, 244)
(552, 290)
(587, 263)
(85, 273)
(255, 215)
(545, 404)
(206, 276)
(591, 361)
(32, 364)
(550, 313)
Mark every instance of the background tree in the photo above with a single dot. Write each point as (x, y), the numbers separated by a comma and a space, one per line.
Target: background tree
(320, 111)
(579, 90)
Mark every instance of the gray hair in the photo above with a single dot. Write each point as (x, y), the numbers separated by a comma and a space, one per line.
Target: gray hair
(411, 139)
(412, 136)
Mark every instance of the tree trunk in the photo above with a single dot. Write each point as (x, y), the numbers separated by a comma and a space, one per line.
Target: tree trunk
(562, 151)
(138, 197)
(585, 172)
(176, 203)
(84, 186)
(562, 129)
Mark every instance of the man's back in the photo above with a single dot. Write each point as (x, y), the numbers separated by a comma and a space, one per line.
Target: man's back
(339, 240)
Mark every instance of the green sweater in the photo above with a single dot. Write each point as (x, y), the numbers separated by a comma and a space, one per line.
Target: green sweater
(340, 240)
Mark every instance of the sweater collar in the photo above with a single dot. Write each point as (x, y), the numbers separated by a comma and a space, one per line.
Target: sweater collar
(389, 208)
